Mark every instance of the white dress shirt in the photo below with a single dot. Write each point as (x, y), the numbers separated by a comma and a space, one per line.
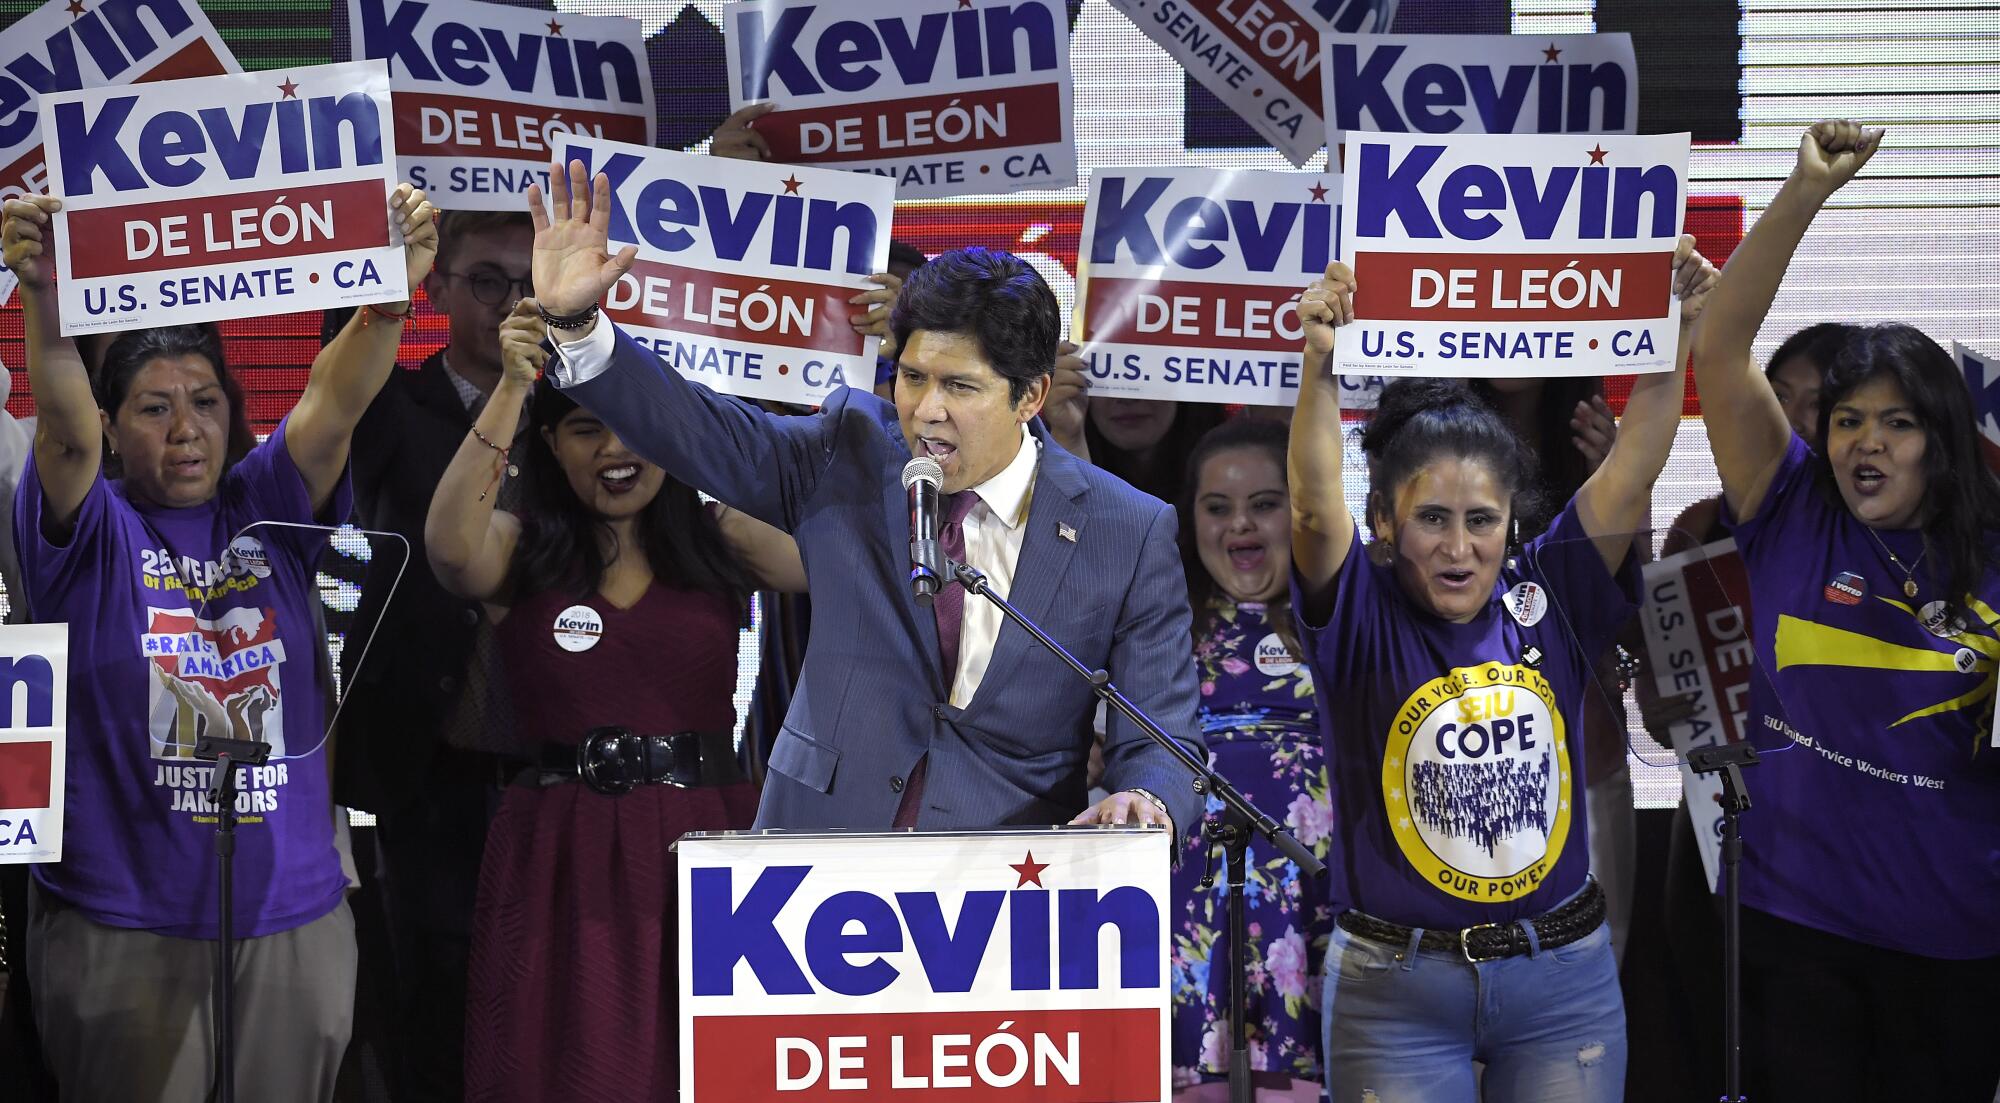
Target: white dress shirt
(994, 529)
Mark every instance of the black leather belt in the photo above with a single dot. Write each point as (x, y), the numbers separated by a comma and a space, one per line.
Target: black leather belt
(614, 761)
(1491, 941)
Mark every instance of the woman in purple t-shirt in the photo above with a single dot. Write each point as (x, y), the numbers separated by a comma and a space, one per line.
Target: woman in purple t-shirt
(1451, 669)
(1871, 862)
(188, 587)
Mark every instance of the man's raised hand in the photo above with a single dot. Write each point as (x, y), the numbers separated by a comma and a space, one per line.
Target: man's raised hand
(571, 269)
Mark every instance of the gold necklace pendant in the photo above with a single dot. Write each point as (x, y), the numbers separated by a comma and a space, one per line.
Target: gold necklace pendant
(1910, 588)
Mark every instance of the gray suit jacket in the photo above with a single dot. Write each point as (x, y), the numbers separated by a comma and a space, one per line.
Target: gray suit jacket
(871, 699)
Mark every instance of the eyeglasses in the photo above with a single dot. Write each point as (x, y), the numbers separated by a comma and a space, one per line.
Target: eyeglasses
(492, 288)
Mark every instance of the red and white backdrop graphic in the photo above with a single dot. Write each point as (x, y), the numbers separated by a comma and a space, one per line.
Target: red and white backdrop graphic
(1002, 965)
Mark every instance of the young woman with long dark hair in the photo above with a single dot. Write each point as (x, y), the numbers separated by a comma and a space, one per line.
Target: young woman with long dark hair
(1871, 862)
(617, 596)
(1451, 670)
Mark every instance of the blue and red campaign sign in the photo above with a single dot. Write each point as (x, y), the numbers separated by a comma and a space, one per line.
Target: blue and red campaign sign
(1188, 281)
(63, 46)
(1260, 57)
(1026, 965)
(485, 93)
(34, 673)
(1982, 377)
(1512, 255)
(1480, 84)
(944, 98)
(744, 267)
(224, 197)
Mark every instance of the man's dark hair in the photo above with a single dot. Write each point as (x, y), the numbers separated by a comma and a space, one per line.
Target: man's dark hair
(456, 226)
(904, 253)
(995, 298)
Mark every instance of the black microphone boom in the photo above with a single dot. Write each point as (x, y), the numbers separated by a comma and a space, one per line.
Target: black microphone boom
(922, 479)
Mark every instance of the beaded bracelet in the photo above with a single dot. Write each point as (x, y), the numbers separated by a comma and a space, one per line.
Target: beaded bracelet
(510, 468)
(408, 309)
(570, 321)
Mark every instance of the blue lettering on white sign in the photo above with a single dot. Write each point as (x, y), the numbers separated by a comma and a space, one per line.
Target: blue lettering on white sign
(1196, 221)
(35, 680)
(1426, 102)
(176, 148)
(56, 70)
(1608, 201)
(983, 43)
(461, 54)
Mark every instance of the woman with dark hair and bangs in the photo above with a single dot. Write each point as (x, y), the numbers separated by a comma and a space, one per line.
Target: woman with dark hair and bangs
(1871, 861)
(182, 557)
(617, 596)
(1451, 665)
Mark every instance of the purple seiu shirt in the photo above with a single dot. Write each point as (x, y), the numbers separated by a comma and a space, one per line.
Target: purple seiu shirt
(180, 627)
(1457, 748)
(1875, 814)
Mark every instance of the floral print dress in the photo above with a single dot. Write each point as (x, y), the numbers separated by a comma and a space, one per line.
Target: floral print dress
(1263, 736)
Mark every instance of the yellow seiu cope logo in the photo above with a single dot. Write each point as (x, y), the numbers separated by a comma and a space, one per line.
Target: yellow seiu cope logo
(1476, 781)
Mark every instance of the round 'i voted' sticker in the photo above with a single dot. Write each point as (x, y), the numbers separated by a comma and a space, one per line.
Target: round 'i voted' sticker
(578, 628)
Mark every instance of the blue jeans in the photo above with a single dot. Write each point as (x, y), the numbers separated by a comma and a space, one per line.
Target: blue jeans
(1403, 1027)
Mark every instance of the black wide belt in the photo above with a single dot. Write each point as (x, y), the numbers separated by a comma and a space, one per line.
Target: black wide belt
(614, 761)
(1492, 941)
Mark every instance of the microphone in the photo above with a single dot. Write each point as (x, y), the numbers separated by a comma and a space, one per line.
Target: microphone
(922, 479)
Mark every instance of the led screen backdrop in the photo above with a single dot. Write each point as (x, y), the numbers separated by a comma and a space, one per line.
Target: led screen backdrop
(1913, 240)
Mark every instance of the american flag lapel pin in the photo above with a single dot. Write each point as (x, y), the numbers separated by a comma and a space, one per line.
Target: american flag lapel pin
(1063, 530)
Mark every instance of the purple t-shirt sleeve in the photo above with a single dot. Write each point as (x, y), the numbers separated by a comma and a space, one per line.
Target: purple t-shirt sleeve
(1594, 602)
(1791, 489)
(273, 488)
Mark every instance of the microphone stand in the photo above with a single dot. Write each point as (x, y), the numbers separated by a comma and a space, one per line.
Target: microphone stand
(1728, 760)
(1241, 819)
(227, 754)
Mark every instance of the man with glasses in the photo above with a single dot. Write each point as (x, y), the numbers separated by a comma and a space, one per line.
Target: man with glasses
(425, 718)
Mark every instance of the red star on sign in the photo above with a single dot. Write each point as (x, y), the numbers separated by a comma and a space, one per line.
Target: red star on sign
(964, 3)
(792, 183)
(1552, 54)
(76, 8)
(289, 89)
(1030, 870)
(1319, 192)
(1597, 155)
(555, 28)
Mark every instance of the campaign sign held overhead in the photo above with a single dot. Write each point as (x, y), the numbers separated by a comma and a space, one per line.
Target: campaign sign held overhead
(1982, 378)
(744, 267)
(1512, 255)
(944, 99)
(1260, 57)
(34, 693)
(1479, 84)
(1026, 965)
(485, 92)
(224, 197)
(1188, 281)
(62, 46)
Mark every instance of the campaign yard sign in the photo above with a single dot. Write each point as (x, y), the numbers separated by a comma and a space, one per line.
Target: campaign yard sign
(1009, 965)
(1982, 378)
(1515, 255)
(744, 267)
(1260, 57)
(1697, 623)
(484, 93)
(1479, 84)
(1188, 281)
(34, 697)
(945, 99)
(63, 46)
(224, 197)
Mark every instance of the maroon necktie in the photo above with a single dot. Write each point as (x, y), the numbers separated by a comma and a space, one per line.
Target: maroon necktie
(949, 605)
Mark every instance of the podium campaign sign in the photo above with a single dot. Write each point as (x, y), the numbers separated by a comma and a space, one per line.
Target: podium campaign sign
(34, 697)
(63, 46)
(1697, 622)
(1480, 84)
(945, 101)
(744, 267)
(1188, 281)
(1511, 255)
(1008, 965)
(1260, 57)
(224, 197)
(484, 93)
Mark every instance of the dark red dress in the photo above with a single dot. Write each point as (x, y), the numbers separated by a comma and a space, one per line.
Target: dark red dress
(572, 991)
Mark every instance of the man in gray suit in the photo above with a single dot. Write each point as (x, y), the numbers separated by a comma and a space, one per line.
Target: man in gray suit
(943, 717)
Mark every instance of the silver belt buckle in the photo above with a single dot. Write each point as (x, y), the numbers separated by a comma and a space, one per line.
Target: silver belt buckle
(1465, 942)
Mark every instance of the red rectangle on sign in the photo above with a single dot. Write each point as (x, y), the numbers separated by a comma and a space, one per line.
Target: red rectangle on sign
(807, 316)
(996, 118)
(24, 775)
(1278, 42)
(1512, 287)
(1071, 1056)
(429, 125)
(194, 233)
(1186, 314)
